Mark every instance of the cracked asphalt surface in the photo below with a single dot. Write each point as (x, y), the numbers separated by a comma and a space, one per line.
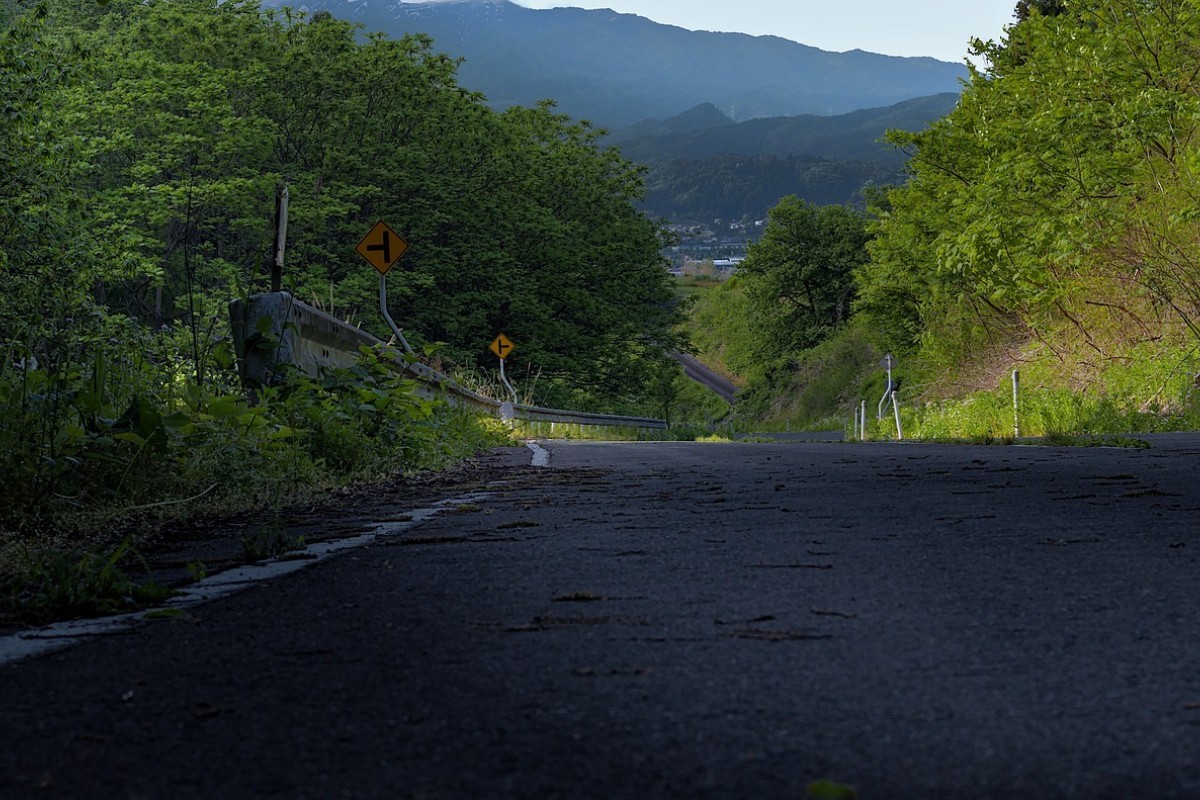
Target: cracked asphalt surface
(679, 620)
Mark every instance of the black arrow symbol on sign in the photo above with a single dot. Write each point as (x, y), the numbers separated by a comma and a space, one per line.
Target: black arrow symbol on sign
(386, 247)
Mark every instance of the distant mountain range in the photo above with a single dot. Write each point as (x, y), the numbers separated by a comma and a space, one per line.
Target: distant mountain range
(727, 123)
(705, 131)
(620, 69)
(703, 166)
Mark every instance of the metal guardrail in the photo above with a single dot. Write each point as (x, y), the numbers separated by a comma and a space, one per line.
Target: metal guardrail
(312, 340)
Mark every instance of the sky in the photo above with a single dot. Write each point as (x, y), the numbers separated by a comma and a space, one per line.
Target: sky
(938, 28)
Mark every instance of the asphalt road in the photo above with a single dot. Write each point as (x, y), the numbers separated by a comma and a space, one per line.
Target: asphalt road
(706, 377)
(685, 621)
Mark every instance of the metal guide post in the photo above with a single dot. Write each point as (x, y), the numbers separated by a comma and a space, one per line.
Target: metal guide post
(391, 324)
(280, 244)
(887, 361)
(504, 379)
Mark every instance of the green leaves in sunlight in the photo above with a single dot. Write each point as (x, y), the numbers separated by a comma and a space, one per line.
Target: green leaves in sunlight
(1061, 184)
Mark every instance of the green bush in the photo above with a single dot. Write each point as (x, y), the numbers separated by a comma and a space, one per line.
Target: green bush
(80, 449)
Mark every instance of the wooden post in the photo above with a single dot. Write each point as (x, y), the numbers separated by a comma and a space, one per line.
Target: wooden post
(281, 220)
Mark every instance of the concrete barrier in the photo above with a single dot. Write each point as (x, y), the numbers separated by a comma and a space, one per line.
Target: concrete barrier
(270, 330)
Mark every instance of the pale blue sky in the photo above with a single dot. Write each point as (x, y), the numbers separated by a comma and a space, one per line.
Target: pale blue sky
(938, 28)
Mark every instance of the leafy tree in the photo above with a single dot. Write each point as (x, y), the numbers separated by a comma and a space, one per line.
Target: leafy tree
(1074, 146)
(1047, 8)
(170, 122)
(799, 277)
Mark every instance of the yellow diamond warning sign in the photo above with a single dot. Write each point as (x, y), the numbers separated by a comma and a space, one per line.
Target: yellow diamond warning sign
(502, 346)
(382, 247)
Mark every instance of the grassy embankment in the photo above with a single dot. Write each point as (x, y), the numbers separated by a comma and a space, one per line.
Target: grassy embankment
(1121, 376)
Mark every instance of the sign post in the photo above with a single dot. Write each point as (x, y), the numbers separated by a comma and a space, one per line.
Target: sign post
(382, 248)
(281, 221)
(502, 346)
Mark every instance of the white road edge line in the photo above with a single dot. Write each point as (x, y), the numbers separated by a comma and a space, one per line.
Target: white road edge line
(62, 635)
(541, 456)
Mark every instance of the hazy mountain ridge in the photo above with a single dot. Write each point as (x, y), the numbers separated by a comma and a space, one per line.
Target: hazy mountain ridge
(703, 166)
(618, 69)
(704, 132)
(742, 189)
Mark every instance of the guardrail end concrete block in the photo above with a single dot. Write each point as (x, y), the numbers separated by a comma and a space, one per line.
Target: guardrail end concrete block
(262, 337)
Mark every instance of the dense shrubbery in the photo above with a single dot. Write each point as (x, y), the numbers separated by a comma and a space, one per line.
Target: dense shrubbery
(113, 447)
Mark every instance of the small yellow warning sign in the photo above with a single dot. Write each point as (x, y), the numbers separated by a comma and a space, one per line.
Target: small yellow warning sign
(502, 346)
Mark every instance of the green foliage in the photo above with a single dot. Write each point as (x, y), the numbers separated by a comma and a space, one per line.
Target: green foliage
(719, 325)
(815, 388)
(988, 416)
(830, 790)
(1047, 8)
(140, 146)
(112, 450)
(799, 278)
(695, 405)
(744, 188)
(197, 571)
(713, 438)
(1063, 181)
(804, 389)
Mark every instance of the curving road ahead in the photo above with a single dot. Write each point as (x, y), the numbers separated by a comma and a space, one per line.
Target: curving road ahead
(679, 621)
(703, 375)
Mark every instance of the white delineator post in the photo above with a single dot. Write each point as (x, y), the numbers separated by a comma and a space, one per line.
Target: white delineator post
(896, 408)
(1016, 378)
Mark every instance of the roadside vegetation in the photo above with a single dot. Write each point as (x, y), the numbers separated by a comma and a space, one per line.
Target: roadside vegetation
(141, 147)
(1049, 224)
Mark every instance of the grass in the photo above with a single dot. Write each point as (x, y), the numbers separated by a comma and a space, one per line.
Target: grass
(1058, 416)
(1088, 375)
(50, 585)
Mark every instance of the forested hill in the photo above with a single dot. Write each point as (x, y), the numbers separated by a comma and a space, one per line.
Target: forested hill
(704, 131)
(184, 115)
(744, 188)
(703, 166)
(618, 69)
